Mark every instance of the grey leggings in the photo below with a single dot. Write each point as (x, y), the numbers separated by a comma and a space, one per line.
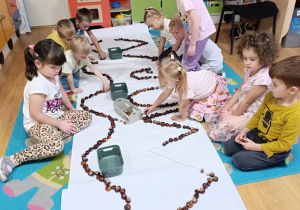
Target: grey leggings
(50, 139)
(252, 160)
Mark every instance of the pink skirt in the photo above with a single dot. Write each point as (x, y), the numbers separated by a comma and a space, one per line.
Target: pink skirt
(197, 108)
(227, 128)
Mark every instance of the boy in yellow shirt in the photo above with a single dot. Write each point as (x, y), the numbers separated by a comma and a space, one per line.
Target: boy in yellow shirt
(82, 23)
(268, 138)
(63, 33)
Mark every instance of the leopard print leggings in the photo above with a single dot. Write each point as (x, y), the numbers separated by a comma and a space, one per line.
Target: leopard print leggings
(50, 139)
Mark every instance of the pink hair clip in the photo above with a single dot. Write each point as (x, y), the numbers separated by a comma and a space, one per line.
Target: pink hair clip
(31, 46)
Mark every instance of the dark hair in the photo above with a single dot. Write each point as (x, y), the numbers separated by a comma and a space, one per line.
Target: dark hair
(287, 70)
(84, 14)
(264, 44)
(47, 52)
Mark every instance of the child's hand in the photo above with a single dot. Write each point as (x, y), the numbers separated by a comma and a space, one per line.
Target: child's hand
(239, 138)
(106, 86)
(102, 55)
(67, 126)
(250, 145)
(148, 110)
(191, 50)
(225, 113)
(178, 118)
(77, 90)
(91, 58)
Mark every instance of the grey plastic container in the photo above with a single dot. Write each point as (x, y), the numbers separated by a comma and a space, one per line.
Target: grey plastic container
(118, 90)
(127, 110)
(110, 161)
(115, 53)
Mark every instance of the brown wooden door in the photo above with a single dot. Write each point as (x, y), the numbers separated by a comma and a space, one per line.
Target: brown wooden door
(6, 25)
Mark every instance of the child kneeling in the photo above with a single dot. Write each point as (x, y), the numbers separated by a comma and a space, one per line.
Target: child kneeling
(268, 137)
(200, 93)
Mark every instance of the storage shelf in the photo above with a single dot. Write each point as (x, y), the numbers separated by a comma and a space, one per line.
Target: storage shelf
(122, 8)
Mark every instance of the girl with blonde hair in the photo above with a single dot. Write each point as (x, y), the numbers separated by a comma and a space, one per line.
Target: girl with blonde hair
(200, 93)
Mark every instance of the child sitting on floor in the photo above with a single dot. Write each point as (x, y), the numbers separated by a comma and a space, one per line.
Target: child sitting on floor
(63, 33)
(211, 59)
(258, 50)
(77, 57)
(268, 137)
(154, 19)
(199, 92)
(44, 120)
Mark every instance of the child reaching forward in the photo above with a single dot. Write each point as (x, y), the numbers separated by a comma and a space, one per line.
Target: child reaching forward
(199, 93)
(63, 33)
(44, 120)
(258, 50)
(77, 57)
(200, 26)
(82, 23)
(268, 138)
(154, 19)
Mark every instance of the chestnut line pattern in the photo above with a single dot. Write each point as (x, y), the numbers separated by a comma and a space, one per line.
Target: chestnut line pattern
(147, 119)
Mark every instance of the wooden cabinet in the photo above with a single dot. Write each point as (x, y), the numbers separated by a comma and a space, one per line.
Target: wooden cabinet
(125, 6)
(100, 10)
(15, 15)
(6, 28)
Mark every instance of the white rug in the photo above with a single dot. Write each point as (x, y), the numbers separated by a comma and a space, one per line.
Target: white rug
(155, 177)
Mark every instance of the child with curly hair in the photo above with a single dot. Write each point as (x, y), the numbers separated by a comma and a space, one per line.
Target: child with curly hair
(258, 50)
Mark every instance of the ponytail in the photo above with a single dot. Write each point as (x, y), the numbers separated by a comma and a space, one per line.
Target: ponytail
(46, 52)
(174, 70)
(31, 69)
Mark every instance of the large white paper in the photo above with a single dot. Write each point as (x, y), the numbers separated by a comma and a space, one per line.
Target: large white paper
(155, 177)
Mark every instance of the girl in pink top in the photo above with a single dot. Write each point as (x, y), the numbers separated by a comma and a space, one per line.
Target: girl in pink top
(200, 26)
(258, 51)
(199, 93)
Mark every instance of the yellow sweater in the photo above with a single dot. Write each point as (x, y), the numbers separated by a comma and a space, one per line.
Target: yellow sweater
(277, 125)
(55, 37)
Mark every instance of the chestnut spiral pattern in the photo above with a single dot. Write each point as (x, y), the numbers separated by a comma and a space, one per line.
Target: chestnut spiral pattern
(147, 119)
(99, 176)
(147, 70)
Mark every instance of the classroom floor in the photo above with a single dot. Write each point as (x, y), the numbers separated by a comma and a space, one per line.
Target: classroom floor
(279, 193)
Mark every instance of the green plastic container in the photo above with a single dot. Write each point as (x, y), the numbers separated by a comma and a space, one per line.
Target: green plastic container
(110, 161)
(118, 90)
(115, 53)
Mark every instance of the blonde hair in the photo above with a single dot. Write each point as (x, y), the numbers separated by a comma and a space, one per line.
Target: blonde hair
(173, 69)
(151, 12)
(65, 29)
(80, 44)
(176, 21)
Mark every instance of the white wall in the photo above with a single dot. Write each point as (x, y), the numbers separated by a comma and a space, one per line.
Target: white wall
(46, 12)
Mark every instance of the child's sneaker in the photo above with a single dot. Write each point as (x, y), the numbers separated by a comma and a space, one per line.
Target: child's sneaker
(6, 167)
(288, 159)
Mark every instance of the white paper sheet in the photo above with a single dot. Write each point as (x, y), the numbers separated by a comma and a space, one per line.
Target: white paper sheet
(155, 177)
